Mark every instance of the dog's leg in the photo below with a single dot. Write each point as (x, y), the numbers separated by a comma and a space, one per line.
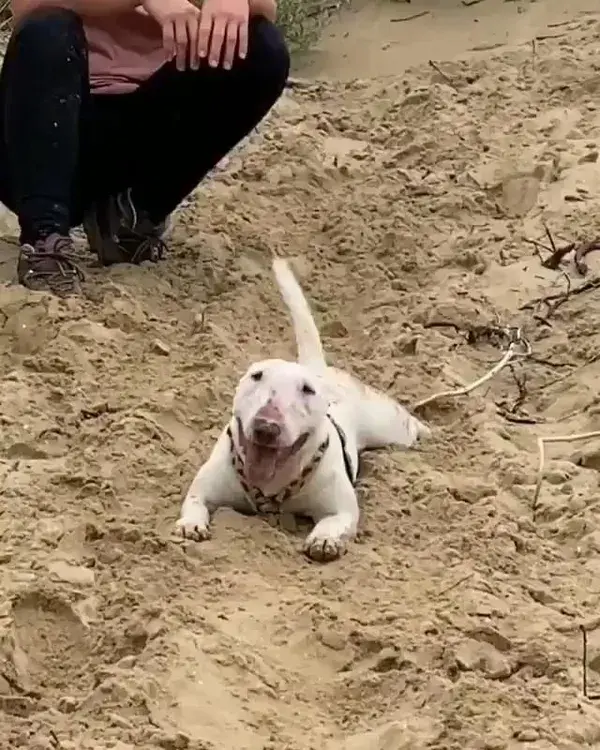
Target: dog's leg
(381, 421)
(215, 485)
(336, 522)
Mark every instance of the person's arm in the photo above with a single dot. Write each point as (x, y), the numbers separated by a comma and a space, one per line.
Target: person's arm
(265, 8)
(92, 8)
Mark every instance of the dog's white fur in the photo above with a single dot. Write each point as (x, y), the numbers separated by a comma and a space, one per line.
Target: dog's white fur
(298, 396)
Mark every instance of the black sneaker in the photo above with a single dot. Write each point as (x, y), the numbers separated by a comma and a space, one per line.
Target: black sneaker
(118, 233)
(49, 266)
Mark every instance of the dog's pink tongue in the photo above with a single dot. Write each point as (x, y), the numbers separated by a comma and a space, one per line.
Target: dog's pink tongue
(260, 465)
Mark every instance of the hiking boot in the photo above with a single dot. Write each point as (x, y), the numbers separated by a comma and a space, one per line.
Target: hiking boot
(48, 266)
(118, 233)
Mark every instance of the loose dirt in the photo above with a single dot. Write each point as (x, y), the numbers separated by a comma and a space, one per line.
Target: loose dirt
(454, 621)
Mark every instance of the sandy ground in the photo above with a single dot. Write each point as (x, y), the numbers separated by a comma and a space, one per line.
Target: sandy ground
(454, 621)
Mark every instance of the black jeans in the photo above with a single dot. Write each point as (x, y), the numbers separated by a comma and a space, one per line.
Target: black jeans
(63, 148)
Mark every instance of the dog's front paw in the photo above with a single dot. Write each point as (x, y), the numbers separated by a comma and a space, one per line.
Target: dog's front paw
(324, 549)
(193, 528)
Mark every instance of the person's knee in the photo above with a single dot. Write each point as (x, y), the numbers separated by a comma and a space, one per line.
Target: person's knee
(47, 31)
(268, 54)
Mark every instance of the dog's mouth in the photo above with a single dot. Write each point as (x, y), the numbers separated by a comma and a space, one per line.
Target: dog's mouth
(262, 461)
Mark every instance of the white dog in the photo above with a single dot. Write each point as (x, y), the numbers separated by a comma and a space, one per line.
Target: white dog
(294, 439)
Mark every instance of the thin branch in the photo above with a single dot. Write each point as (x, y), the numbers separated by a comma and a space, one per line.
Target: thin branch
(510, 354)
(562, 297)
(441, 73)
(410, 18)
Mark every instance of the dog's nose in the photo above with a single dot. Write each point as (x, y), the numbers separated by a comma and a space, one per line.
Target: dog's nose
(266, 431)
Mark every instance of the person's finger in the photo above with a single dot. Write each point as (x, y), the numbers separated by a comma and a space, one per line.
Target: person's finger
(193, 33)
(243, 39)
(216, 41)
(181, 43)
(168, 33)
(231, 41)
(204, 29)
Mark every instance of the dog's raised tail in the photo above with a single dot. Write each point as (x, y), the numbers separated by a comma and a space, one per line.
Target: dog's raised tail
(308, 340)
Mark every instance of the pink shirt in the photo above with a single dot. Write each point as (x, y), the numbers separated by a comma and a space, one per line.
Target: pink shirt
(124, 50)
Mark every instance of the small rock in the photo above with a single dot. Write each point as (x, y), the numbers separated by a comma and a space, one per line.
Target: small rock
(474, 656)
(471, 490)
(26, 451)
(332, 639)
(406, 345)
(127, 662)
(159, 347)
(110, 556)
(588, 456)
(75, 574)
(119, 721)
(594, 663)
(387, 660)
(541, 596)
(50, 531)
(559, 474)
(487, 634)
(529, 734)
(167, 741)
(334, 329)
(40, 743)
(67, 704)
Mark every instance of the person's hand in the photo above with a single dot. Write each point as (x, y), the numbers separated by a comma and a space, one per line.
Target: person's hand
(223, 31)
(180, 23)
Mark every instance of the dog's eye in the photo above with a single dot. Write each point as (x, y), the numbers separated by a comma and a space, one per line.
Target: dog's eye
(257, 375)
(308, 390)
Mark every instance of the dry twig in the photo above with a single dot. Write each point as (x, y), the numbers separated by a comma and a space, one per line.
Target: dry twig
(517, 341)
(410, 18)
(558, 254)
(562, 297)
(454, 585)
(440, 72)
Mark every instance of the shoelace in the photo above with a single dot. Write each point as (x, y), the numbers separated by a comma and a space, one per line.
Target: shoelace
(61, 270)
(148, 247)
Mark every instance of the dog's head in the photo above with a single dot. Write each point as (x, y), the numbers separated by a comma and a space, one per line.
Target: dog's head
(278, 406)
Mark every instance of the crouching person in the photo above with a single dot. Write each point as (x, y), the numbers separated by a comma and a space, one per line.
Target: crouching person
(112, 112)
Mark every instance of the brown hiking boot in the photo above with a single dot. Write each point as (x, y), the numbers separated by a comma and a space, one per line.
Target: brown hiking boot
(48, 266)
(120, 233)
